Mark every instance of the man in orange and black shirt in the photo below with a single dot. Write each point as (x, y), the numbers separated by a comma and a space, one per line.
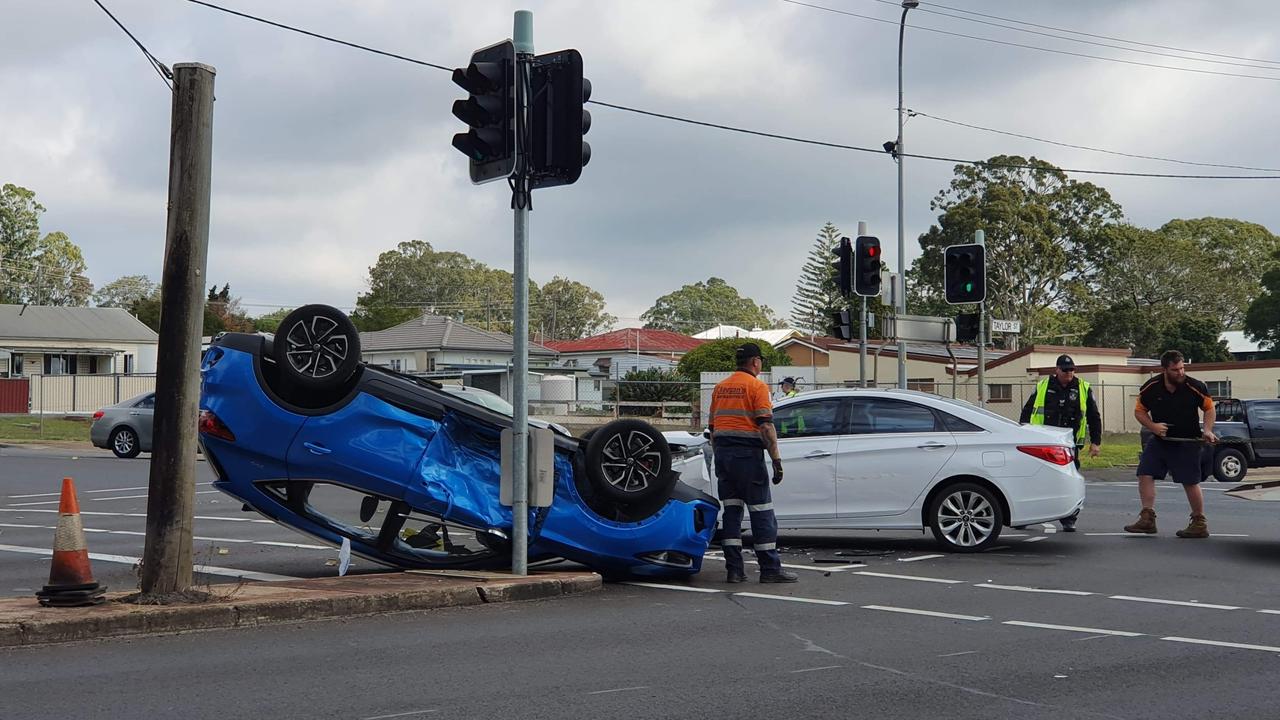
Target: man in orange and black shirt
(1169, 406)
(741, 430)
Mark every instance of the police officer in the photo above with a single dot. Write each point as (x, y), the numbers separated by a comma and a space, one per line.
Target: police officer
(1064, 400)
(787, 388)
(741, 430)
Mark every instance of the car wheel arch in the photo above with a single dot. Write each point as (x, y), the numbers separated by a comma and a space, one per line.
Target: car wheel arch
(942, 485)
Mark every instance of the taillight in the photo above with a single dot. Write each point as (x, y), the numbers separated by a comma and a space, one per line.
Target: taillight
(1056, 454)
(98, 415)
(213, 426)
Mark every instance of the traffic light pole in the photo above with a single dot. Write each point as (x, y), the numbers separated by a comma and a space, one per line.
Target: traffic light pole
(980, 238)
(521, 203)
(862, 327)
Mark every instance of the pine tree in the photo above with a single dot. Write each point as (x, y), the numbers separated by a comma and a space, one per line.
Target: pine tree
(816, 293)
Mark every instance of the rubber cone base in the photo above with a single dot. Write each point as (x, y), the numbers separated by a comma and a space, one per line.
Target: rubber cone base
(72, 595)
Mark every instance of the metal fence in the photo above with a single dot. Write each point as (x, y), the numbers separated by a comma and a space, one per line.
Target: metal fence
(685, 403)
(84, 394)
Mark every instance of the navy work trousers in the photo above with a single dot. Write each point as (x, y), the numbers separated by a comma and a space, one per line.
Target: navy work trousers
(743, 483)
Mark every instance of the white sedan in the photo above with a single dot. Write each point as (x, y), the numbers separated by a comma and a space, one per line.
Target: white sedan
(903, 460)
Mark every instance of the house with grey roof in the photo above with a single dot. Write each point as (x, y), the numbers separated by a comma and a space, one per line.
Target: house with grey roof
(39, 340)
(438, 344)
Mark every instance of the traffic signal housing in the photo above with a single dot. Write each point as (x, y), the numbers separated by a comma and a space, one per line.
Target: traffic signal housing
(844, 267)
(489, 111)
(558, 120)
(866, 266)
(965, 274)
(967, 327)
(842, 325)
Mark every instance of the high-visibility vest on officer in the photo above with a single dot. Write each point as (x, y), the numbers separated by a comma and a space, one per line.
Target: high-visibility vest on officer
(1064, 400)
(741, 431)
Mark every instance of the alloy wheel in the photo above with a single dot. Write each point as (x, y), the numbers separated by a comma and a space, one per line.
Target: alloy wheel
(631, 461)
(966, 518)
(315, 349)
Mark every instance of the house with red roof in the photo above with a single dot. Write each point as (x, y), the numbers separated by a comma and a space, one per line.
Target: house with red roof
(616, 353)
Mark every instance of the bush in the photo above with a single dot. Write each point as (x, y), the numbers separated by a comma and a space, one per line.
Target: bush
(718, 356)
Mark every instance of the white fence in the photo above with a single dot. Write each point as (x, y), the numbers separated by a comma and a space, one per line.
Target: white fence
(84, 394)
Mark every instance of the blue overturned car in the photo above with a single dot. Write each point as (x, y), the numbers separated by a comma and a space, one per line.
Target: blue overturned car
(296, 427)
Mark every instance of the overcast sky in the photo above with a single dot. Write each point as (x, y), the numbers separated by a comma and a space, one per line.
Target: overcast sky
(325, 156)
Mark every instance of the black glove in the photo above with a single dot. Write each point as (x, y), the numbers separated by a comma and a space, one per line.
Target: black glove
(777, 471)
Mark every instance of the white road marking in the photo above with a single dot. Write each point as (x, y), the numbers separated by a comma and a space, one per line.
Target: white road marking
(1012, 535)
(842, 568)
(1270, 612)
(1050, 530)
(817, 669)
(625, 689)
(273, 543)
(135, 497)
(86, 492)
(1020, 588)
(958, 654)
(1091, 637)
(1037, 538)
(929, 613)
(1072, 628)
(142, 515)
(920, 557)
(818, 568)
(1182, 603)
(396, 715)
(661, 586)
(908, 577)
(1047, 526)
(1239, 646)
(1122, 534)
(127, 560)
(812, 601)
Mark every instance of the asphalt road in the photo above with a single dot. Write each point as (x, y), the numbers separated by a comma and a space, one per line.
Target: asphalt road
(1051, 625)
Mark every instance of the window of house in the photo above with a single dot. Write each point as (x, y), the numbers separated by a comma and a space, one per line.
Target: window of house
(921, 384)
(60, 364)
(15, 365)
(93, 364)
(1219, 388)
(431, 364)
(394, 364)
(128, 364)
(1000, 393)
(595, 385)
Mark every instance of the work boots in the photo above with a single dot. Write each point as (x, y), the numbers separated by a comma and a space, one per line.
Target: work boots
(1197, 528)
(1146, 523)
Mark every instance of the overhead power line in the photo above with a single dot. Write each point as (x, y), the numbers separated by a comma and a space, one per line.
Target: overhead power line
(1032, 47)
(165, 74)
(1081, 41)
(775, 136)
(1104, 37)
(949, 121)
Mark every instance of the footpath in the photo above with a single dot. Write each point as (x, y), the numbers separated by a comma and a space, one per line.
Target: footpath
(23, 621)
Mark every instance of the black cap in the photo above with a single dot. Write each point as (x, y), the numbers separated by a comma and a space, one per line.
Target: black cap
(746, 351)
(788, 381)
(1066, 363)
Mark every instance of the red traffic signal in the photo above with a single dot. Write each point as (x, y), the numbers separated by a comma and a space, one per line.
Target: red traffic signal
(866, 270)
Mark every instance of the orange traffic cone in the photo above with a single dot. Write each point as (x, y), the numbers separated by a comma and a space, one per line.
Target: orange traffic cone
(71, 581)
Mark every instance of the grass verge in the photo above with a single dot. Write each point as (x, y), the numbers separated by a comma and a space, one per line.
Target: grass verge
(28, 427)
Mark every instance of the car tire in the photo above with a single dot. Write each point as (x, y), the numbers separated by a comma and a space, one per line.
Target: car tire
(628, 461)
(124, 442)
(1230, 465)
(316, 349)
(965, 517)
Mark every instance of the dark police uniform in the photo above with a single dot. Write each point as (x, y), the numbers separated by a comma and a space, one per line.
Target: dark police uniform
(739, 405)
(1062, 408)
(1180, 411)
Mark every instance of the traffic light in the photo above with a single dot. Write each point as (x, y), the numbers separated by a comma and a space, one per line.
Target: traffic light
(558, 120)
(844, 267)
(967, 327)
(490, 112)
(842, 325)
(965, 274)
(866, 266)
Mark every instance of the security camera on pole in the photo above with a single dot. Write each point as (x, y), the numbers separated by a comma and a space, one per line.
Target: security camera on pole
(526, 124)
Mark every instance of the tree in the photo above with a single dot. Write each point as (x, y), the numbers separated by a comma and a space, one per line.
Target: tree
(1199, 339)
(125, 291)
(271, 321)
(702, 305)
(1042, 231)
(718, 356)
(817, 295)
(415, 278)
(1262, 320)
(1231, 256)
(45, 270)
(654, 385)
(569, 310)
(222, 312)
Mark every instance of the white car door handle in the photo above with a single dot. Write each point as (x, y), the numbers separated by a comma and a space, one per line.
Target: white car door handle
(931, 446)
(817, 454)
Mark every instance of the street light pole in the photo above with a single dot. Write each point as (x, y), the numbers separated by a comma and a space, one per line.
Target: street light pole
(907, 5)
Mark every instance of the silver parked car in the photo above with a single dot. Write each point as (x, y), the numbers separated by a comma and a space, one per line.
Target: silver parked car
(125, 428)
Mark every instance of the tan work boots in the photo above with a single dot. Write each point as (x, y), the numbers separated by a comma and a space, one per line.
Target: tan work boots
(1197, 528)
(1146, 523)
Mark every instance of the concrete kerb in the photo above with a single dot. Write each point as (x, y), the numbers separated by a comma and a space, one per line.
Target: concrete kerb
(23, 622)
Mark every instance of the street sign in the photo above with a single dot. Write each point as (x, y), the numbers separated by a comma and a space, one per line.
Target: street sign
(918, 328)
(1006, 326)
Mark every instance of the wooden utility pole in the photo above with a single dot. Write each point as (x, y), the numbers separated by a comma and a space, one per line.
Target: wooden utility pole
(166, 559)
